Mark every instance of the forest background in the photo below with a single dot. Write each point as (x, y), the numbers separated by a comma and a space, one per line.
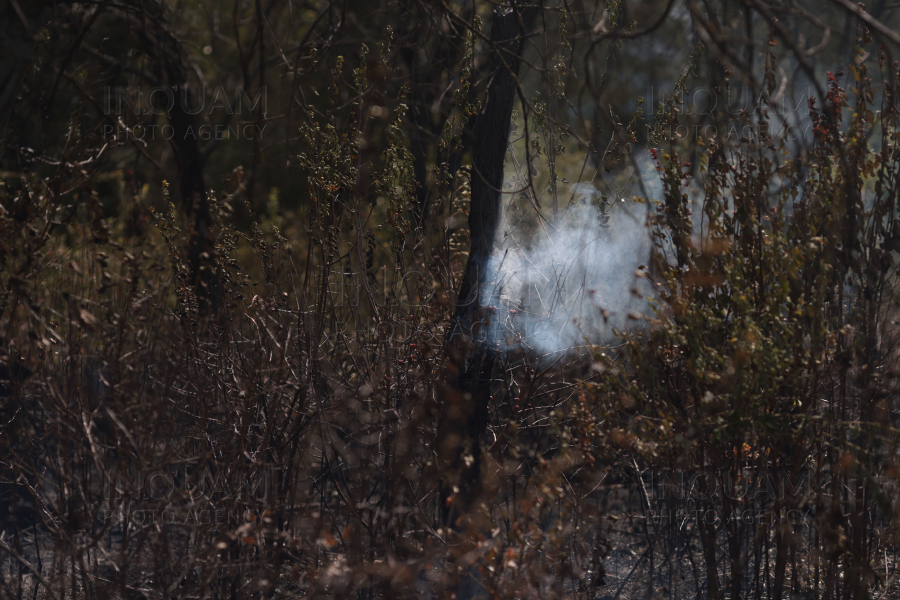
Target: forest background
(404, 298)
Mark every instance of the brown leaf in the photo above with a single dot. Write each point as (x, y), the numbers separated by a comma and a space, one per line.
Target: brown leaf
(87, 319)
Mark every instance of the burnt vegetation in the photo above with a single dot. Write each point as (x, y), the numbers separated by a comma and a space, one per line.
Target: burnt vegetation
(259, 335)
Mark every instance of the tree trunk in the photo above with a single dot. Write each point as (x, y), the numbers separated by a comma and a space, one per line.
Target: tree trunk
(171, 73)
(16, 47)
(472, 359)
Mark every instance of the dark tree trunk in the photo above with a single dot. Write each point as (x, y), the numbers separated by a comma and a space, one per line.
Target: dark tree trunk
(171, 72)
(16, 47)
(428, 86)
(472, 359)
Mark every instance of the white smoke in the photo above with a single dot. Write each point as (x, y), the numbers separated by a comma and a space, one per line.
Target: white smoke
(569, 286)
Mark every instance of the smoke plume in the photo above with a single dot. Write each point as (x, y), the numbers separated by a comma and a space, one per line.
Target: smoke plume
(570, 286)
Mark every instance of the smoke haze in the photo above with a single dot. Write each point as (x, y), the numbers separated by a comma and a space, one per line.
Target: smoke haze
(569, 287)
